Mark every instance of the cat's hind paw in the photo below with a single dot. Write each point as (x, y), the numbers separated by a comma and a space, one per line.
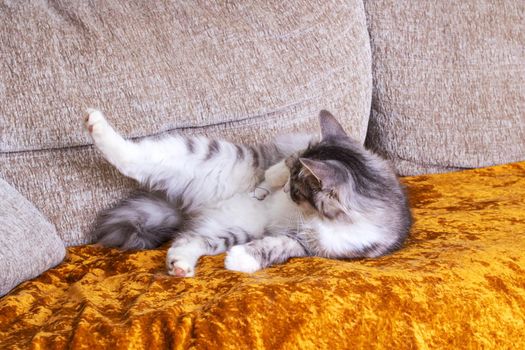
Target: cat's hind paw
(238, 259)
(95, 121)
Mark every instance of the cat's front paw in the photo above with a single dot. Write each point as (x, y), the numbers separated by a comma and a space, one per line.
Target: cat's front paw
(238, 259)
(261, 192)
(277, 175)
(178, 267)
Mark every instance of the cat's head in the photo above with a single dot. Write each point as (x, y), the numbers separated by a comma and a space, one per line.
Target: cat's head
(329, 175)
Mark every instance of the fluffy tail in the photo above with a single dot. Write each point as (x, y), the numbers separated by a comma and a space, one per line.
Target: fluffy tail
(143, 221)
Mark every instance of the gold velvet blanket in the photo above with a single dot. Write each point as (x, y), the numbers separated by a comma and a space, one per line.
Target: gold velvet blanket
(458, 283)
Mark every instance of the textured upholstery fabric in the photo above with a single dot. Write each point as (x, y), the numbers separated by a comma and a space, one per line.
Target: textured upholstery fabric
(218, 68)
(458, 283)
(449, 83)
(29, 244)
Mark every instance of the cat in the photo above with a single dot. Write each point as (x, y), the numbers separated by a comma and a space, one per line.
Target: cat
(298, 196)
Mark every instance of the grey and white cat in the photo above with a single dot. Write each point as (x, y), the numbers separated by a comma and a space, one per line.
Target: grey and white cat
(329, 198)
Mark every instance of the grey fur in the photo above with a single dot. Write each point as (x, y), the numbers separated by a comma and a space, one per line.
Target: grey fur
(132, 224)
(265, 155)
(255, 157)
(240, 152)
(213, 149)
(276, 249)
(190, 144)
(269, 154)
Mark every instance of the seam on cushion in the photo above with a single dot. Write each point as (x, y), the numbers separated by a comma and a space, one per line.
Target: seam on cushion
(256, 120)
(423, 164)
(256, 117)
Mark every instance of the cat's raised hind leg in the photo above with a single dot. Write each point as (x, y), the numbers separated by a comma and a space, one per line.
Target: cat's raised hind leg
(190, 167)
(122, 154)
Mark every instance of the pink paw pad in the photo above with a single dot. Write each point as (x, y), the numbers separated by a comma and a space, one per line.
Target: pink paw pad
(178, 272)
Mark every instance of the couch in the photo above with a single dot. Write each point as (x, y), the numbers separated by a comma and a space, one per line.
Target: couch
(436, 87)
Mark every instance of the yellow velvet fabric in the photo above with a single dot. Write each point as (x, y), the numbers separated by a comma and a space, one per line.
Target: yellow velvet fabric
(459, 282)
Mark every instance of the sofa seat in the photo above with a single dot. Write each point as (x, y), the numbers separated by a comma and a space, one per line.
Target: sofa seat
(459, 282)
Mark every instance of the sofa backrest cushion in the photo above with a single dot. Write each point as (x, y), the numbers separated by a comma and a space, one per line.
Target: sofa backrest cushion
(449, 83)
(154, 67)
(241, 71)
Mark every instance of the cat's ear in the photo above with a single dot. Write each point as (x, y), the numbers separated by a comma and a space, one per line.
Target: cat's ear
(324, 172)
(330, 127)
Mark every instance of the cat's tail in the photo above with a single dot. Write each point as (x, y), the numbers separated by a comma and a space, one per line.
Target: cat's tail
(143, 221)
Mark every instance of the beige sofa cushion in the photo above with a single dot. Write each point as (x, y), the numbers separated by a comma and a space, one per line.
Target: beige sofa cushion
(449, 83)
(243, 71)
(29, 244)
